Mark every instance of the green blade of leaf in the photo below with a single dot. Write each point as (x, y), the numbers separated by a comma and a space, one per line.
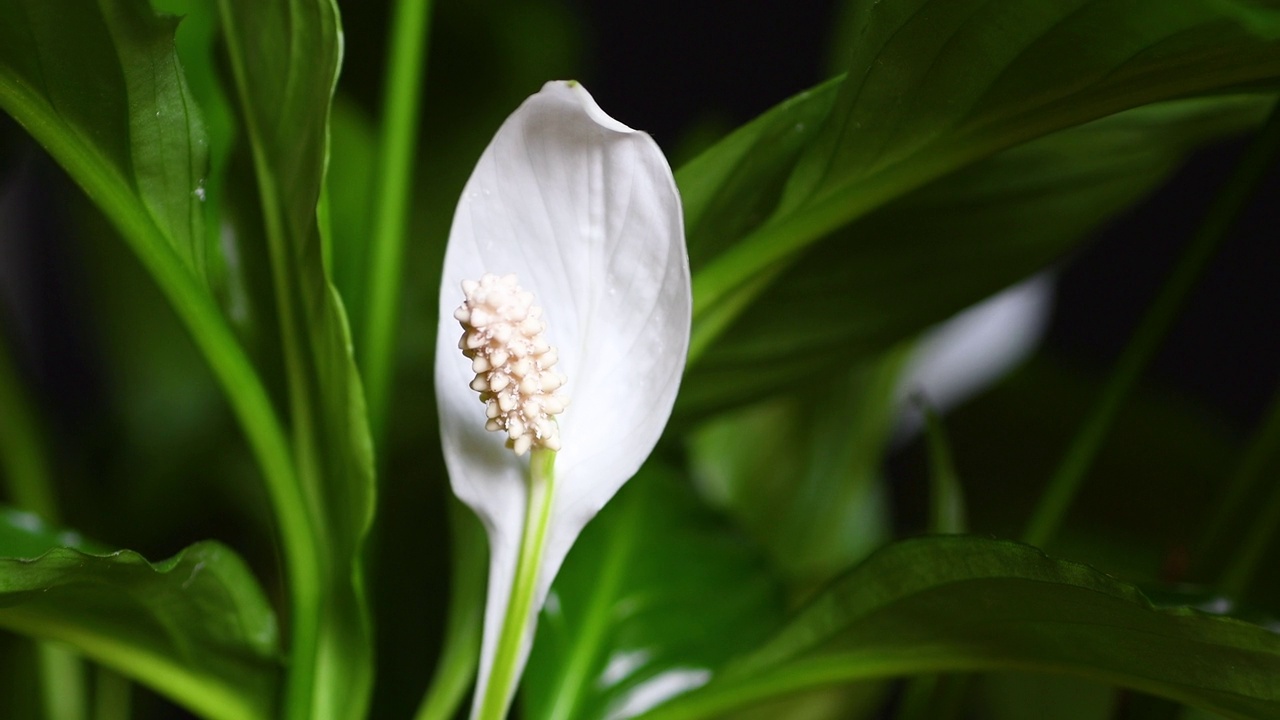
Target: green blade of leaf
(931, 253)
(733, 187)
(196, 45)
(196, 626)
(935, 86)
(284, 57)
(943, 604)
(652, 600)
(98, 85)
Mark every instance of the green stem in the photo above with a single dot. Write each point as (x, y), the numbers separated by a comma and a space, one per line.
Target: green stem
(299, 508)
(24, 465)
(576, 673)
(112, 696)
(23, 458)
(947, 514)
(1262, 448)
(1248, 556)
(515, 624)
(62, 682)
(1057, 499)
(401, 109)
(456, 665)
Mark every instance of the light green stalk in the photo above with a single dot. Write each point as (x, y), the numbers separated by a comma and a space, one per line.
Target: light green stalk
(400, 111)
(515, 624)
(1061, 492)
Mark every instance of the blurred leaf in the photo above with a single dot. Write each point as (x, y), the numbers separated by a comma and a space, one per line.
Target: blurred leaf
(960, 603)
(25, 534)
(652, 600)
(802, 472)
(1165, 453)
(196, 626)
(459, 655)
(1006, 696)
(921, 258)
(284, 58)
(1261, 17)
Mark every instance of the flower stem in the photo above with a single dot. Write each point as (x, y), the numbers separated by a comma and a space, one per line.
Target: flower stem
(1058, 497)
(28, 483)
(1242, 492)
(509, 657)
(400, 111)
(460, 653)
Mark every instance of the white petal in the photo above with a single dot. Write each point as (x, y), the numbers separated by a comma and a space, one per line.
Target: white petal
(963, 355)
(584, 211)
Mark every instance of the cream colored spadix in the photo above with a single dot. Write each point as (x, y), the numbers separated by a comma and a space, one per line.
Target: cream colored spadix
(583, 211)
(503, 338)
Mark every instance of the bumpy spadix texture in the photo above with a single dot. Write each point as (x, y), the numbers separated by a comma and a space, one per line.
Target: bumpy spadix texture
(503, 337)
(584, 210)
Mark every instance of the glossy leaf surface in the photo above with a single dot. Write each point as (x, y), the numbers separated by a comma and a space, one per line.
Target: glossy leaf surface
(952, 603)
(196, 626)
(98, 84)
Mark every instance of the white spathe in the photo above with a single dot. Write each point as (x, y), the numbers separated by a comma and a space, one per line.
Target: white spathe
(962, 356)
(584, 211)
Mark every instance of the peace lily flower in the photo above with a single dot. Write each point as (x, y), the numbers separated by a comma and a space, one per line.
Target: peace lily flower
(567, 278)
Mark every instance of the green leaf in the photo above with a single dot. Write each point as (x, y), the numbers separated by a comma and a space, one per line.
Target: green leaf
(954, 603)
(196, 44)
(733, 187)
(284, 57)
(939, 249)
(801, 473)
(196, 626)
(937, 85)
(651, 601)
(99, 86)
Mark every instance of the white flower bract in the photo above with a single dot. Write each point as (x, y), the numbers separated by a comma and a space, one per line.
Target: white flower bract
(584, 211)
